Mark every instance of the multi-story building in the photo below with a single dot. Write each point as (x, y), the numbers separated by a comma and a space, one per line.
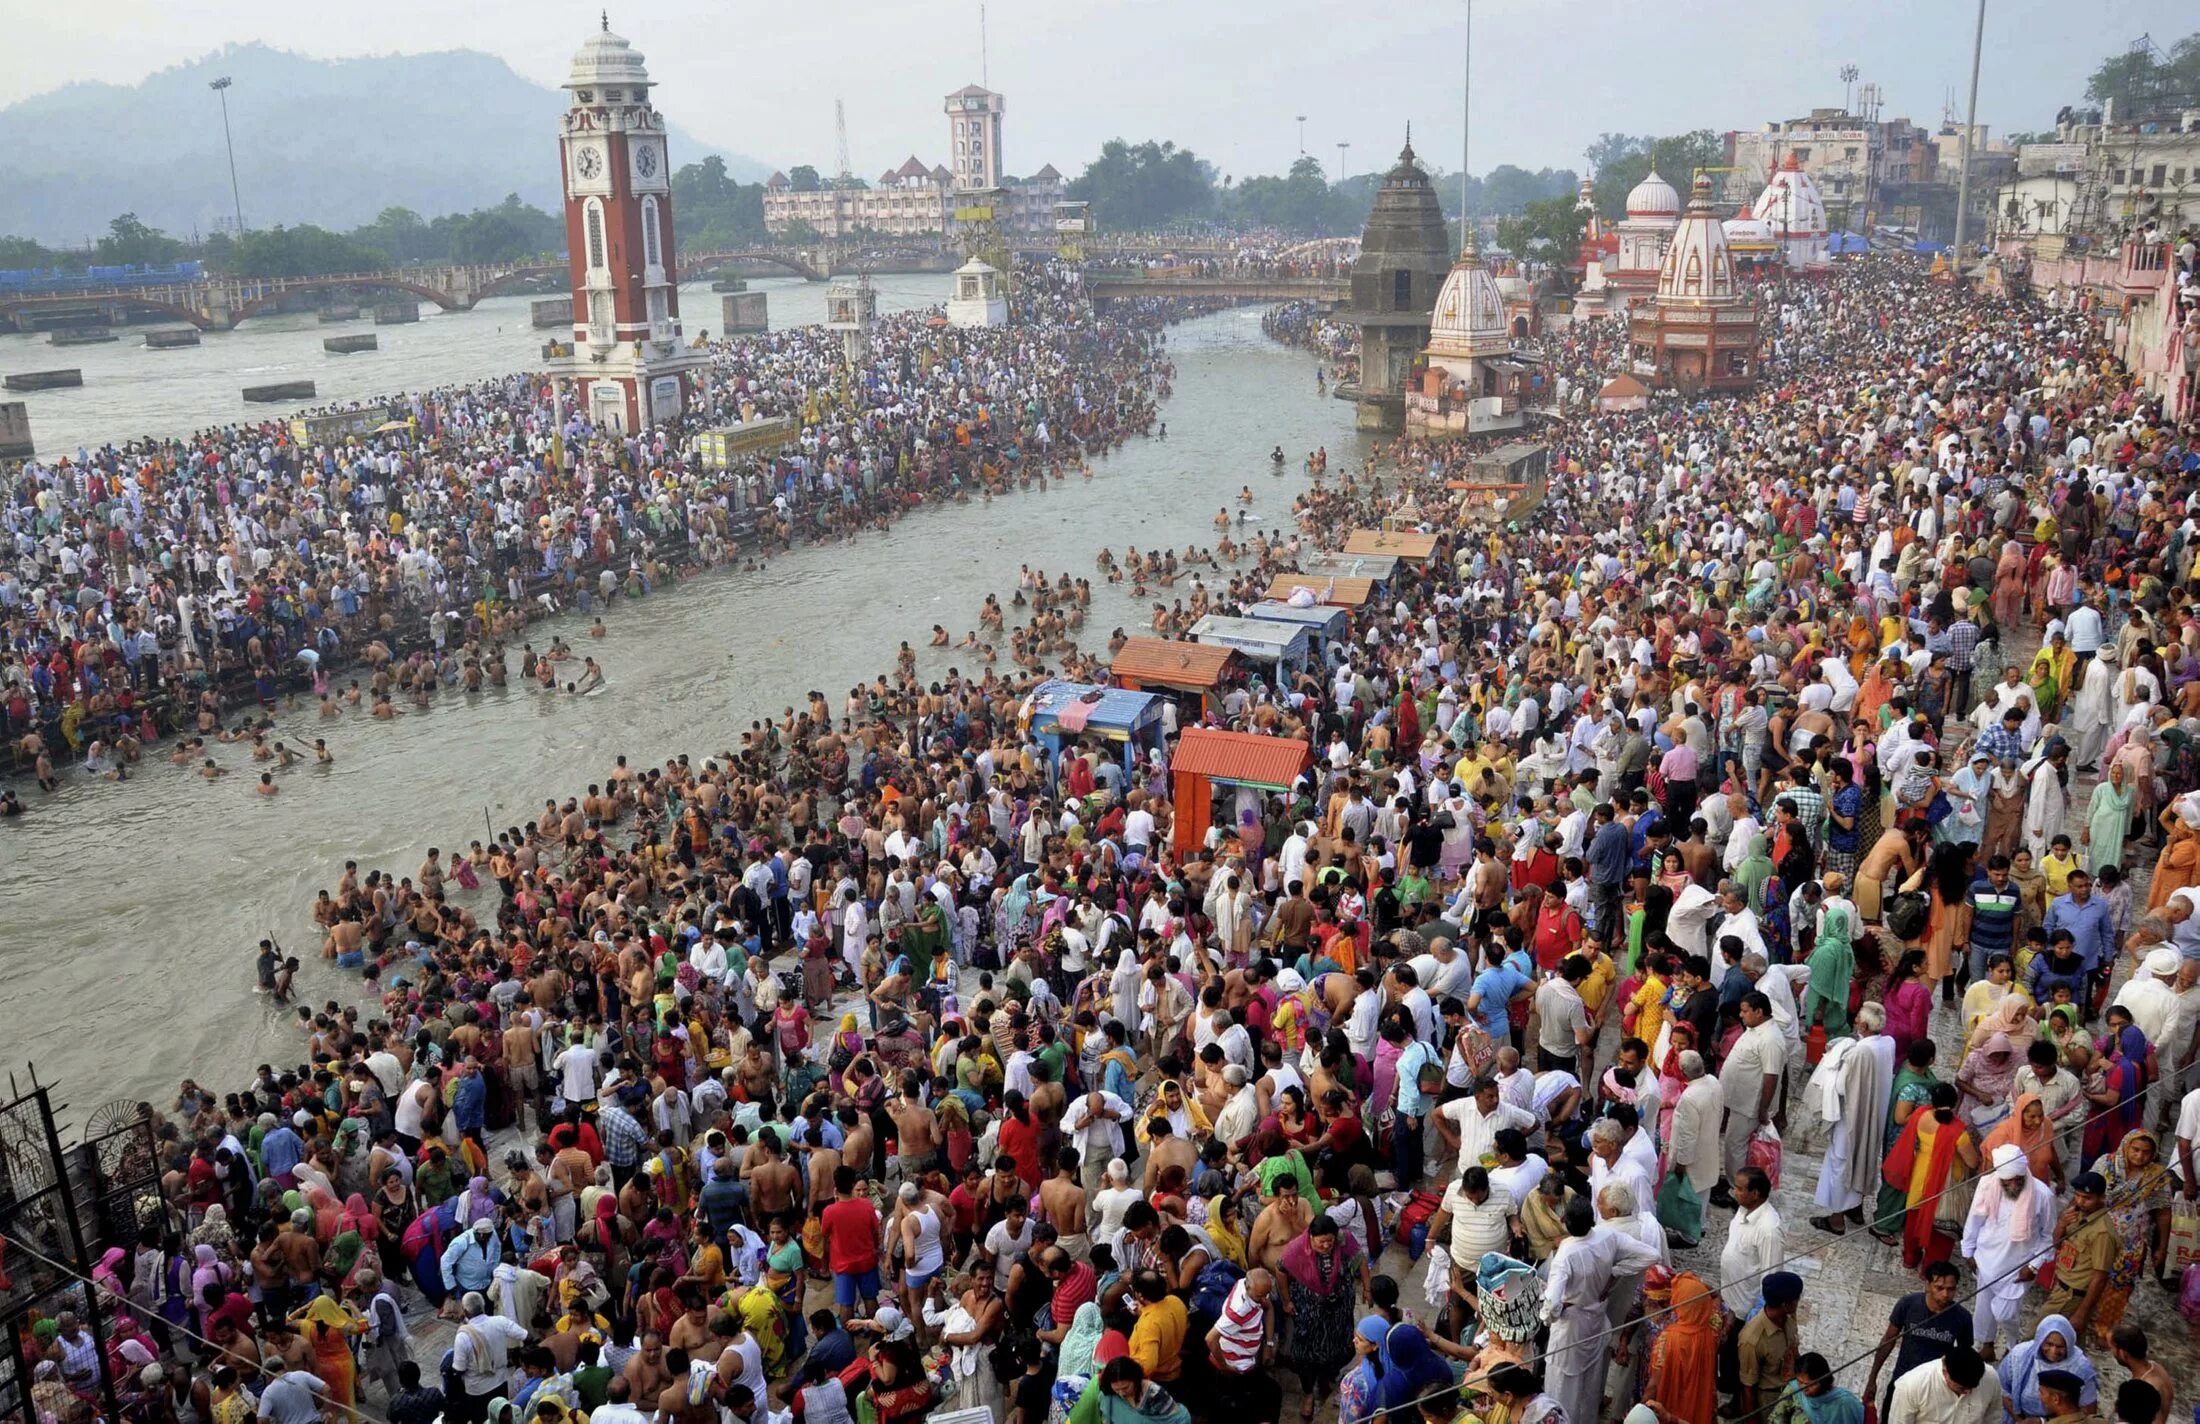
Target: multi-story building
(2146, 171)
(916, 201)
(1839, 150)
(974, 136)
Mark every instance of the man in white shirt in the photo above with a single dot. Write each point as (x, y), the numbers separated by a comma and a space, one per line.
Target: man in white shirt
(1138, 829)
(479, 1355)
(2011, 1226)
(1469, 1125)
(1749, 1080)
(1610, 1162)
(1516, 1173)
(576, 1068)
(1957, 1388)
(1755, 1242)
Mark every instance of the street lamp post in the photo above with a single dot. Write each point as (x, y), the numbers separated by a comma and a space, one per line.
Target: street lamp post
(221, 87)
(1466, 118)
(1302, 135)
(1341, 147)
(1970, 126)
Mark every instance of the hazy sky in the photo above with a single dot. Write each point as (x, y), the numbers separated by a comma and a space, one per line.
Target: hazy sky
(1223, 77)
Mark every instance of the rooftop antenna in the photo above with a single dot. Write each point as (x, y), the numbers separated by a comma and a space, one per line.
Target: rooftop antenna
(840, 132)
(984, 81)
(1848, 78)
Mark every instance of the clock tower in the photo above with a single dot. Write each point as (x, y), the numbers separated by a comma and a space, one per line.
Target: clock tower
(629, 367)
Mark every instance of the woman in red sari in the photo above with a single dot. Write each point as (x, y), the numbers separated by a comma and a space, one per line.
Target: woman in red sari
(1932, 1156)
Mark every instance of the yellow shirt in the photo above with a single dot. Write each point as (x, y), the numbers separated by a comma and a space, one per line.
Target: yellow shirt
(1157, 1339)
(1595, 989)
(2057, 870)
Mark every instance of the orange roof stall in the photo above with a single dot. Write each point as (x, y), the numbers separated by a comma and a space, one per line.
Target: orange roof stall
(1168, 666)
(1337, 590)
(1205, 757)
(1398, 544)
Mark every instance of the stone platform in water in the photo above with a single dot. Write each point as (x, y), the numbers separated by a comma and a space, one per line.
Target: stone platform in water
(279, 391)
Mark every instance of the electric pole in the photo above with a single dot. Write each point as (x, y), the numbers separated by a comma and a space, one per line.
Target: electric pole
(1970, 127)
(221, 87)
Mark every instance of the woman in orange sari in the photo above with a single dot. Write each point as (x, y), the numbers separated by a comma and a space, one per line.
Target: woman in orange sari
(1873, 691)
(2179, 865)
(1683, 1377)
(328, 1328)
(1932, 1156)
(2027, 1128)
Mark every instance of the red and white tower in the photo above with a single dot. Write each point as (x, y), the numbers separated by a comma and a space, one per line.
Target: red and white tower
(630, 367)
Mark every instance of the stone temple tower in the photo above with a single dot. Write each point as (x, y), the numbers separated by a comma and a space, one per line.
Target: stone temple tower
(1405, 254)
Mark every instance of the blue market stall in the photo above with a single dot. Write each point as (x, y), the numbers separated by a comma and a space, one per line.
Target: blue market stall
(1063, 714)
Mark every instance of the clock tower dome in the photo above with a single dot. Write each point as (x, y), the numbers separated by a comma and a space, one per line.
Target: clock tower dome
(629, 366)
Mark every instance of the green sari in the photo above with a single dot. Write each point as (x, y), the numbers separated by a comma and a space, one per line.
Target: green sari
(1754, 871)
(1832, 967)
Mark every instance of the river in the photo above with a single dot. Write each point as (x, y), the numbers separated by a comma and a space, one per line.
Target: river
(135, 909)
(130, 390)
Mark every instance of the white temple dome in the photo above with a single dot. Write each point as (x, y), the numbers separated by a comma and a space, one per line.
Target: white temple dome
(606, 61)
(1470, 312)
(1698, 267)
(1794, 212)
(1653, 197)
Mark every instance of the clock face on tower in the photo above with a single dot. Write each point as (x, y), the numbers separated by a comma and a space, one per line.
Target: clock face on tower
(645, 160)
(587, 162)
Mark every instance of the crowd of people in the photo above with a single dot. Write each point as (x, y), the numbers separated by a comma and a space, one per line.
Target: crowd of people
(886, 1064)
(168, 585)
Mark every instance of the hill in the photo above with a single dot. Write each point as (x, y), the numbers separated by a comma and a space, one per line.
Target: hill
(331, 142)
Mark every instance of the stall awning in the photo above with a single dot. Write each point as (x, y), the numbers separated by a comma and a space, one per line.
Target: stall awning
(1375, 568)
(1414, 548)
(1195, 667)
(1073, 707)
(1338, 591)
(1242, 758)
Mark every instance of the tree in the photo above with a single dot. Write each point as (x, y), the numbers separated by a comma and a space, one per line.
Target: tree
(400, 232)
(1301, 201)
(1146, 186)
(20, 252)
(803, 179)
(799, 232)
(129, 240)
(304, 251)
(716, 211)
(1508, 190)
(2143, 87)
(1547, 230)
(1622, 161)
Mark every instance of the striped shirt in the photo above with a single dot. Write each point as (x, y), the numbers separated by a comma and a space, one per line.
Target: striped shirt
(1243, 1326)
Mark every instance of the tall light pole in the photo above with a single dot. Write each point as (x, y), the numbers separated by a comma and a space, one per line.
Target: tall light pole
(1970, 126)
(221, 87)
(1341, 147)
(1302, 135)
(1848, 78)
(1466, 119)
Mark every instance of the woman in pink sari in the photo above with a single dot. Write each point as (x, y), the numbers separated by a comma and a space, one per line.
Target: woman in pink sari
(1908, 1001)
(1671, 1082)
(2009, 584)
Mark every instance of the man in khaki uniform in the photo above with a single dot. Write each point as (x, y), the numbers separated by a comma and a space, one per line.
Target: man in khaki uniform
(1766, 1349)
(2086, 1245)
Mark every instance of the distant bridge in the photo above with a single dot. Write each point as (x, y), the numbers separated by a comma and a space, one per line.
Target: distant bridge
(218, 303)
(1239, 290)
